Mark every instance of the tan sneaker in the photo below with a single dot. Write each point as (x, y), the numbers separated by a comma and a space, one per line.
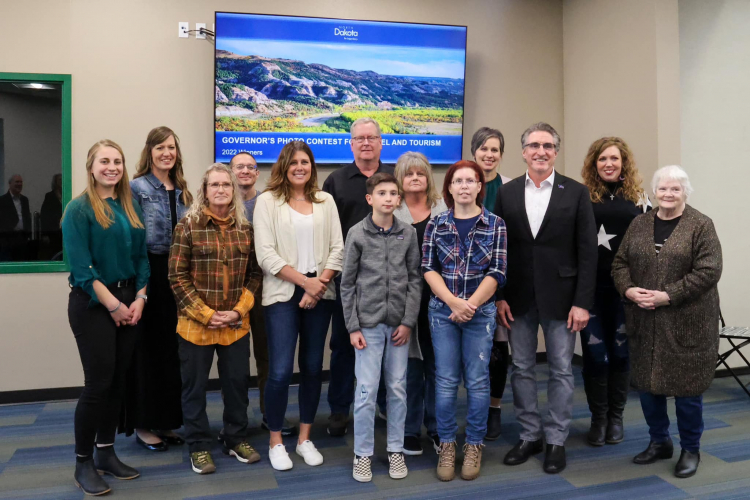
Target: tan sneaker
(446, 468)
(472, 461)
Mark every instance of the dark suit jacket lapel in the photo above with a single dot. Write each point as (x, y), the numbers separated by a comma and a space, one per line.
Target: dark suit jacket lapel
(558, 191)
(520, 194)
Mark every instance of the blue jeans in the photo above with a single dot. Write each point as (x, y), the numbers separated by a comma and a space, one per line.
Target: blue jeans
(603, 341)
(341, 386)
(284, 322)
(380, 353)
(462, 348)
(689, 419)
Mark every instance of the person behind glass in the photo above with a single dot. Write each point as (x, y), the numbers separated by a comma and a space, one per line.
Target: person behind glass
(152, 405)
(617, 197)
(245, 168)
(464, 262)
(15, 222)
(214, 275)
(421, 202)
(487, 148)
(105, 241)
(50, 216)
(300, 249)
(347, 186)
(551, 278)
(380, 290)
(667, 268)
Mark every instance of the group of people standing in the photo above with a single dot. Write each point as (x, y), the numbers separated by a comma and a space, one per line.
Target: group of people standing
(422, 287)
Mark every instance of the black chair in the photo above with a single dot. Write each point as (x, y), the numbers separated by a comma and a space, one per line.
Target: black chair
(738, 337)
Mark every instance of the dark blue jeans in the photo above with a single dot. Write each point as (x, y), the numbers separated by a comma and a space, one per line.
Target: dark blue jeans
(689, 419)
(603, 341)
(341, 386)
(284, 322)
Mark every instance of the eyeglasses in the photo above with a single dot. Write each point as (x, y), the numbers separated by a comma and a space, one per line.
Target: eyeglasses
(548, 146)
(360, 139)
(226, 186)
(467, 182)
(249, 166)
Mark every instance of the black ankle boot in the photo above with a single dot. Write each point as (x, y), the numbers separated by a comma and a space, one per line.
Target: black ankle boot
(687, 465)
(619, 384)
(493, 424)
(596, 394)
(89, 480)
(107, 463)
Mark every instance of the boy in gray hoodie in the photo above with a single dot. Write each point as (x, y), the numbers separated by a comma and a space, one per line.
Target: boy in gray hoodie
(380, 292)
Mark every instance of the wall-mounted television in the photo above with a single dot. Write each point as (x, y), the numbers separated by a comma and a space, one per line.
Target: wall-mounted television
(284, 78)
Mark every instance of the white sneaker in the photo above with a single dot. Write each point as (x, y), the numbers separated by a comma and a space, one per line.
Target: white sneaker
(309, 452)
(279, 458)
(362, 469)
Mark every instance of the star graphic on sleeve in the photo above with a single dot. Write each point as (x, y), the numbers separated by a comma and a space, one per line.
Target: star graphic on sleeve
(604, 238)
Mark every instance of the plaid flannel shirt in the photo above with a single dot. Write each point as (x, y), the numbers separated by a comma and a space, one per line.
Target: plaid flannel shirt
(198, 253)
(462, 266)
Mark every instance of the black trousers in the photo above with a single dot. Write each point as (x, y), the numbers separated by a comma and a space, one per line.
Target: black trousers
(498, 368)
(106, 351)
(234, 375)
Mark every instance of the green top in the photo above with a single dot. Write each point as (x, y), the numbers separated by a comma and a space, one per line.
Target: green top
(490, 193)
(107, 255)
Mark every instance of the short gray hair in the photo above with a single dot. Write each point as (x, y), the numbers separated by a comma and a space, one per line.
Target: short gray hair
(482, 135)
(673, 173)
(541, 127)
(364, 121)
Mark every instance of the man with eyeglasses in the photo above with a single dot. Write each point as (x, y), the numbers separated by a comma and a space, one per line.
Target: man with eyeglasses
(552, 254)
(245, 168)
(347, 186)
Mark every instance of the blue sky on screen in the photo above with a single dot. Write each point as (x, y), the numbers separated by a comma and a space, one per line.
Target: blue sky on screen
(383, 59)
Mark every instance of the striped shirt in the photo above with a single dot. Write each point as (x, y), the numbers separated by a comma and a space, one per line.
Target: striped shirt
(197, 260)
(464, 264)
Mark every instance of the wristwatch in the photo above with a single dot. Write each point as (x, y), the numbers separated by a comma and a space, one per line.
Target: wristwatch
(142, 296)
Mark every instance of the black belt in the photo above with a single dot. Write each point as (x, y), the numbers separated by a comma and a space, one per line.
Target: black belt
(123, 283)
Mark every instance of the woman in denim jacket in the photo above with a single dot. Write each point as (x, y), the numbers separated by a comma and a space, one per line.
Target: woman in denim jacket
(464, 262)
(153, 406)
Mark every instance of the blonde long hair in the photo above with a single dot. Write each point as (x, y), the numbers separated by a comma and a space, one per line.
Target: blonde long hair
(104, 214)
(201, 201)
(279, 184)
(410, 160)
(146, 163)
(631, 179)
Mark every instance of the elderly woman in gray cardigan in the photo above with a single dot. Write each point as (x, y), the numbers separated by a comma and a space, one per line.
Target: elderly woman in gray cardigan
(667, 268)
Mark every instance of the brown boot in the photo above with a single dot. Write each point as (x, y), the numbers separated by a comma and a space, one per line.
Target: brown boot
(472, 461)
(446, 468)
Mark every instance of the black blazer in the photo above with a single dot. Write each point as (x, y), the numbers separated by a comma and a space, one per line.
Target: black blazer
(557, 269)
(9, 216)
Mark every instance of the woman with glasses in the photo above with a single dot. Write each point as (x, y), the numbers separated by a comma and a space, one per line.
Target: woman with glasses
(300, 249)
(105, 240)
(214, 275)
(153, 405)
(464, 262)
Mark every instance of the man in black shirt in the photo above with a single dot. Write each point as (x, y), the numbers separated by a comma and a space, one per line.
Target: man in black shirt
(347, 186)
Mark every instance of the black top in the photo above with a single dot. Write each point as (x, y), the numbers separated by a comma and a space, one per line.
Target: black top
(420, 227)
(613, 217)
(463, 226)
(347, 186)
(172, 207)
(663, 230)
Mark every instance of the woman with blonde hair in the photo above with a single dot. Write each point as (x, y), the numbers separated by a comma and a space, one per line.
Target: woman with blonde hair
(421, 201)
(152, 405)
(617, 197)
(300, 249)
(105, 242)
(214, 275)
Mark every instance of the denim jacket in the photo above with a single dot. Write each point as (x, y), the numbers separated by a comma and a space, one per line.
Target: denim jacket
(154, 201)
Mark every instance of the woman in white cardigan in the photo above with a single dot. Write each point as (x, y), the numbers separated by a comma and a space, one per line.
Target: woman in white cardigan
(300, 248)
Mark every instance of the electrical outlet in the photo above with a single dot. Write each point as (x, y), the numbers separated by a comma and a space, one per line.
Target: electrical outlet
(198, 27)
(182, 30)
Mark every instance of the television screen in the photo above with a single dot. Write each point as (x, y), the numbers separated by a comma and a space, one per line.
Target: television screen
(282, 78)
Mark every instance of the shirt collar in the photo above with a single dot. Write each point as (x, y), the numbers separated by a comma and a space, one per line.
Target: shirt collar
(549, 180)
(354, 169)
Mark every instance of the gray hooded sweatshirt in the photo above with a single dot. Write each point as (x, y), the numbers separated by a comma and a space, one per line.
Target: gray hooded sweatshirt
(381, 282)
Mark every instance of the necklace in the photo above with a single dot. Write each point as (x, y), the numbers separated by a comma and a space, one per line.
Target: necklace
(300, 199)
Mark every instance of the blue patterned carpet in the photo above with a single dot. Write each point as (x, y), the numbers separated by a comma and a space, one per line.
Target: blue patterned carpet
(36, 460)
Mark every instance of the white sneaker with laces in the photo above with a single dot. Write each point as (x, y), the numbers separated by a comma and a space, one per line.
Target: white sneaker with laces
(310, 453)
(280, 458)
(362, 469)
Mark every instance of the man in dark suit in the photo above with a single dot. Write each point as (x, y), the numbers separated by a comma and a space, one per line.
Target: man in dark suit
(15, 222)
(552, 253)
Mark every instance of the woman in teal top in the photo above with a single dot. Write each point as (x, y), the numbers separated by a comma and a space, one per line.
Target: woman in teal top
(105, 242)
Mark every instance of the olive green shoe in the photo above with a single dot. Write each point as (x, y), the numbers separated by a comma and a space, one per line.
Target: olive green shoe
(243, 452)
(202, 463)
